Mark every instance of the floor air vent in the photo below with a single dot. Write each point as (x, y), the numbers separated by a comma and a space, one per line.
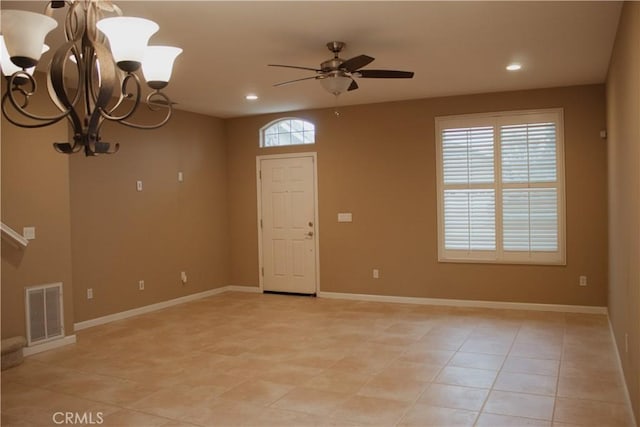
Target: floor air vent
(44, 313)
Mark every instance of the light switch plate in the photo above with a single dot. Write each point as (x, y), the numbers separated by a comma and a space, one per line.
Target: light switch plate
(29, 233)
(139, 185)
(345, 217)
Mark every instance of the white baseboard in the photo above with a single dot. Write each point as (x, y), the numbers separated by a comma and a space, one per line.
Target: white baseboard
(338, 295)
(251, 289)
(49, 345)
(147, 308)
(621, 372)
(467, 303)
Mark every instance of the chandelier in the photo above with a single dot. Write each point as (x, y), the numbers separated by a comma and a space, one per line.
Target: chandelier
(89, 81)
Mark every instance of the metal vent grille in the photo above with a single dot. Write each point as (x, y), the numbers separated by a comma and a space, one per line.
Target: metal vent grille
(44, 313)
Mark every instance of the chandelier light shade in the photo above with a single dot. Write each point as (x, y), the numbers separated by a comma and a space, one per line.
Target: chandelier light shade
(128, 38)
(93, 76)
(25, 47)
(8, 67)
(157, 65)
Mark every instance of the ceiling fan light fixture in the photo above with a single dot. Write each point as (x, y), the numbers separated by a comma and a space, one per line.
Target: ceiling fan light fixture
(336, 84)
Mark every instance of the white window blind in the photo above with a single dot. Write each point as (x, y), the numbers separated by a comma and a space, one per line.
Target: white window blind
(468, 155)
(470, 219)
(528, 153)
(501, 187)
(530, 219)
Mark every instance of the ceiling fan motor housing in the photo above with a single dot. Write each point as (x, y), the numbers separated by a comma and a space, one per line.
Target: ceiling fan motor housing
(331, 64)
(335, 62)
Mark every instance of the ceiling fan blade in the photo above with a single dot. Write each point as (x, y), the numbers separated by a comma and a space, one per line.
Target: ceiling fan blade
(296, 80)
(385, 74)
(294, 66)
(353, 85)
(356, 63)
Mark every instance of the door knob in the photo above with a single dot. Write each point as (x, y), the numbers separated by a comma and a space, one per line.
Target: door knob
(310, 234)
(310, 224)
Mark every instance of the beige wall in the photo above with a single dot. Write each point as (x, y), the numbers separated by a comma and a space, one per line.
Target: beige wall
(378, 162)
(88, 210)
(35, 192)
(623, 122)
(120, 236)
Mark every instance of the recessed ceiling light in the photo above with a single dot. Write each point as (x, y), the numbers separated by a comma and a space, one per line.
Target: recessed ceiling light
(514, 67)
(251, 97)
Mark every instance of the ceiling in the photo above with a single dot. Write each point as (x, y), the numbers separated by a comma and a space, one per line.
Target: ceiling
(453, 48)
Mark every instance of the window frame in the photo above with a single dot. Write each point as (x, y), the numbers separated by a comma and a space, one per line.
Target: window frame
(496, 120)
(272, 123)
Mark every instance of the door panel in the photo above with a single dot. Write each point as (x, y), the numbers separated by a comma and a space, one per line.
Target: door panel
(288, 224)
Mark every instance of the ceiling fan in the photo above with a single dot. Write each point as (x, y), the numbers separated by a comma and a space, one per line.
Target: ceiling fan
(337, 75)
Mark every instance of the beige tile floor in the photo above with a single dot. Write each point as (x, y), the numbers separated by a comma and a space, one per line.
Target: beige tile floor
(241, 359)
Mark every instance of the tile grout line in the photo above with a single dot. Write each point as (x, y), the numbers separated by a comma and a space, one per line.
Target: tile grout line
(562, 350)
(484, 404)
(406, 411)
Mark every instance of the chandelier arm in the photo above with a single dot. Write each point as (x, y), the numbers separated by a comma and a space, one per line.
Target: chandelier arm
(124, 95)
(121, 98)
(105, 89)
(68, 148)
(89, 98)
(53, 95)
(58, 89)
(22, 108)
(88, 45)
(5, 113)
(116, 8)
(74, 28)
(150, 104)
(92, 15)
(90, 93)
(74, 23)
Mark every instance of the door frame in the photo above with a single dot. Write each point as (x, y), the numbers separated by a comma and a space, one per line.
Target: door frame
(314, 159)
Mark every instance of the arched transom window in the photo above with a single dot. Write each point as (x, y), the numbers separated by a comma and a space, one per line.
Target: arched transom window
(288, 131)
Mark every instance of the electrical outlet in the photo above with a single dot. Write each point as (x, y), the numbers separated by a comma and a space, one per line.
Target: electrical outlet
(180, 177)
(183, 277)
(141, 285)
(376, 273)
(90, 293)
(583, 281)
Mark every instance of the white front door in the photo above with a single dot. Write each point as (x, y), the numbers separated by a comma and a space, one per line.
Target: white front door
(288, 224)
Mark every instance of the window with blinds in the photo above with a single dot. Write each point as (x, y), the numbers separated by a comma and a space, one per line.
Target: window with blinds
(501, 187)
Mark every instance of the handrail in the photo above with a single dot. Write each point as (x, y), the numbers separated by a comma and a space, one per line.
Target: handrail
(13, 234)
